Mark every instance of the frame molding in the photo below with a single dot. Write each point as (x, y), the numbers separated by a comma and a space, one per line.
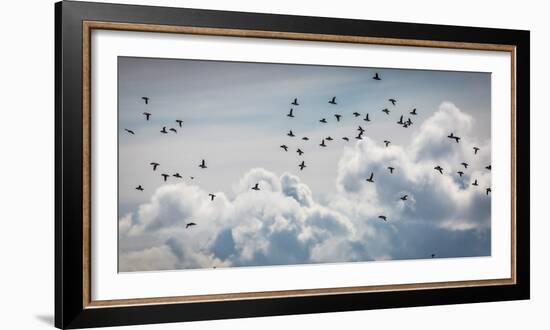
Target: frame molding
(74, 306)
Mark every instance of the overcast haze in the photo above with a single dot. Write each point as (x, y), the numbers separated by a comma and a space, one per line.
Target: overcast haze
(235, 118)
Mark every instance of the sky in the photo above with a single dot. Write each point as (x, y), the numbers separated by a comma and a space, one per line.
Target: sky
(235, 117)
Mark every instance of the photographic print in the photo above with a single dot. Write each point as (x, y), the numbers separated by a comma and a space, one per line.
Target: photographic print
(232, 164)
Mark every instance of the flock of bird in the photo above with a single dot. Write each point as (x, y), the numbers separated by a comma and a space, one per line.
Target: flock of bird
(323, 144)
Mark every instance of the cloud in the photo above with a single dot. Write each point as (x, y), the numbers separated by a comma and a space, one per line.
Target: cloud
(283, 223)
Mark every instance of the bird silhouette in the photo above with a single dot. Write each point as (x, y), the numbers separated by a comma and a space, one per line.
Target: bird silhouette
(366, 117)
(202, 164)
(192, 177)
(392, 101)
(476, 149)
(305, 138)
(163, 130)
(475, 183)
(345, 138)
(155, 165)
(165, 176)
(302, 165)
(413, 112)
(452, 136)
(383, 217)
(433, 255)
(464, 164)
(324, 121)
(328, 138)
(323, 143)
(404, 197)
(386, 111)
(256, 187)
(146, 99)
(284, 147)
(488, 167)
(405, 125)
(190, 224)
(290, 133)
(487, 191)
(147, 115)
(356, 114)
(360, 129)
(409, 122)
(376, 76)
(333, 101)
(129, 131)
(300, 152)
(140, 188)
(338, 117)
(360, 135)
(371, 178)
(460, 173)
(177, 175)
(400, 122)
(295, 102)
(391, 169)
(173, 130)
(180, 122)
(290, 114)
(387, 143)
(212, 196)
(439, 168)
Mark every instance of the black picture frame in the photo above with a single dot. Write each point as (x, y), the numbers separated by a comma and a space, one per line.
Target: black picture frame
(70, 309)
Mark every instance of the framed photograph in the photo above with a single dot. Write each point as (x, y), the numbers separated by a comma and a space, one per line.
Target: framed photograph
(216, 164)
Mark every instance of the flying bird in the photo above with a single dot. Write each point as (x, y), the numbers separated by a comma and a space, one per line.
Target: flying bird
(256, 187)
(439, 168)
(190, 224)
(324, 121)
(212, 196)
(290, 114)
(202, 164)
(359, 136)
(391, 169)
(305, 138)
(475, 183)
(333, 101)
(383, 217)
(360, 129)
(345, 138)
(300, 152)
(147, 115)
(140, 188)
(356, 114)
(177, 175)
(488, 167)
(338, 117)
(323, 143)
(433, 255)
(165, 176)
(387, 143)
(295, 102)
(284, 147)
(146, 99)
(371, 178)
(155, 165)
(413, 112)
(290, 133)
(476, 149)
(129, 131)
(376, 76)
(163, 130)
(460, 173)
(180, 122)
(487, 191)
(392, 101)
(328, 138)
(386, 111)
(452, 136)
(409, 122)
(302, 165)
(173, 130)
(464, 164)
(366, 118)
(400, 122)
(404, 197)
